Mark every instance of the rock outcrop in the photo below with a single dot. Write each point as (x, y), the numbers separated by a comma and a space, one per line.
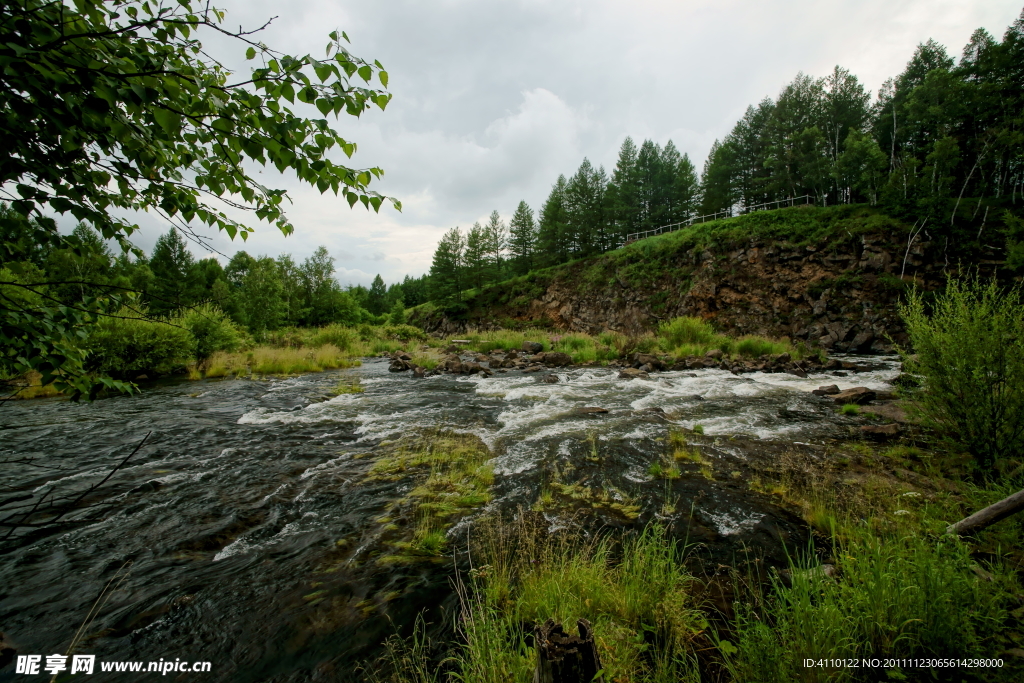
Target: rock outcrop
(838, 292)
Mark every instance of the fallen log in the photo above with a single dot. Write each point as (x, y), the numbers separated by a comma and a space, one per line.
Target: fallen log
(565, 658)
(988, 516)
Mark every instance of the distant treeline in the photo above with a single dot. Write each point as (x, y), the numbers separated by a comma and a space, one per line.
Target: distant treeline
(260, 293)
(942, 146)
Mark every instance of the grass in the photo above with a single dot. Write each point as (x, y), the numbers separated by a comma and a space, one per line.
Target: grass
(283, 361)
(451, 477)
(348, 386)
(635, 593)
(850, 409)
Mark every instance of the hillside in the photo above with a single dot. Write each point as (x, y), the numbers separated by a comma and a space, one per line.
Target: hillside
(828, 276)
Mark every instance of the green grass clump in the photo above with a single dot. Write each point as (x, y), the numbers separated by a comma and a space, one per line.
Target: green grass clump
(850, 409)
(348, 386)
(690, 336)
(637, 596)
(900, 596)
(452, 477)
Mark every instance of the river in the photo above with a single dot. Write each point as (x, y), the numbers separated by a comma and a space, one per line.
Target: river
(244, 531)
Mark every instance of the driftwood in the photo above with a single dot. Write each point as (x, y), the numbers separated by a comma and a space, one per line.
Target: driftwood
(565, 658)
(990, 515)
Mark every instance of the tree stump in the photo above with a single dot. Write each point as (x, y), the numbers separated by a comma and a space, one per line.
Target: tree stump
(565, 658)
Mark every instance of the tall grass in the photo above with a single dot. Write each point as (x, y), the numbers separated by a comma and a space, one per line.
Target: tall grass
(636, 595)
(898, 596)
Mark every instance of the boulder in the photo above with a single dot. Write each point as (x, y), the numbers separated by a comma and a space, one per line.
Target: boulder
(398, 365)
(781, 359)
(419, 371)
(633, 373)
(862, 342)
(881, 432)
(512, 355)
(714, 353)
(472, 368)
(857, 395)
(798, 372)
(642, 359)
(829, 390)
(549, 379)
(591, 410)
(556, 359)
(532, 347)
(481, 358)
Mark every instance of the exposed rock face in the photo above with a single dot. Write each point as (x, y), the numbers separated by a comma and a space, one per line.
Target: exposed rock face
(839, 293)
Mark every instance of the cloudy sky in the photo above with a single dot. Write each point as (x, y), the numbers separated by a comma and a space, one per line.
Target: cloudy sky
(493, 100)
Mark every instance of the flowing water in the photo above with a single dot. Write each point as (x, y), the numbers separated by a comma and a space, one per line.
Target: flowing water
(244, 530)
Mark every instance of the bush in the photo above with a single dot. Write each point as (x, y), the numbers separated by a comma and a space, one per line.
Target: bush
(682, 331)
(338, 335)
(126, 345)
(211, 331)
(969, 346)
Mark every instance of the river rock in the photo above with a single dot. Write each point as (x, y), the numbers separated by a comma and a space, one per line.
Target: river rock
(880, 432)
(799, 372)
(481, 358)
(857, 395)
(398, 365)
(591, 410)
(633, 373)
(512, 355)
(472, 368)
(642, 359)
(532, 347)
(714, 353)
(829, 390)
(549, 379)
(419, 371)
(400, 355)
(781, 359)
(556, 359)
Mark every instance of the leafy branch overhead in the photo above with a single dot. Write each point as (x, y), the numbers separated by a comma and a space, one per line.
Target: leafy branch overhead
(113, 106)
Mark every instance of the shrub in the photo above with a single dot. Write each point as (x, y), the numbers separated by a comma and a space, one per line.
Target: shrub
(126, 345)
(211, 331)
(687, 331)
(337, 335)
(968, 346)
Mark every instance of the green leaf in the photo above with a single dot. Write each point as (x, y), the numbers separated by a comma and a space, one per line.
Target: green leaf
(324, 106)
(366, 72)
(250, 53)
(383, 76)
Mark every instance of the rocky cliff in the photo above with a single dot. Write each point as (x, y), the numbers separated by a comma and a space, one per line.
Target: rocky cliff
(835, 286)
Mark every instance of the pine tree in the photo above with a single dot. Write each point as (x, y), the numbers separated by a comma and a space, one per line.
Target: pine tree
(624, 200)
(376, 302)
(175, 281)
(475, 259)
(522, 239)
(495, 243)
(552, 245)
(447, 270)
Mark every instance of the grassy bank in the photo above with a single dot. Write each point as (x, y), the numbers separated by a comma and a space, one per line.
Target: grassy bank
(134, 349)
(882, 580)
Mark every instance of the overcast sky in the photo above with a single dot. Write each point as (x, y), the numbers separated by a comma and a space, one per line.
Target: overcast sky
(493, 100)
